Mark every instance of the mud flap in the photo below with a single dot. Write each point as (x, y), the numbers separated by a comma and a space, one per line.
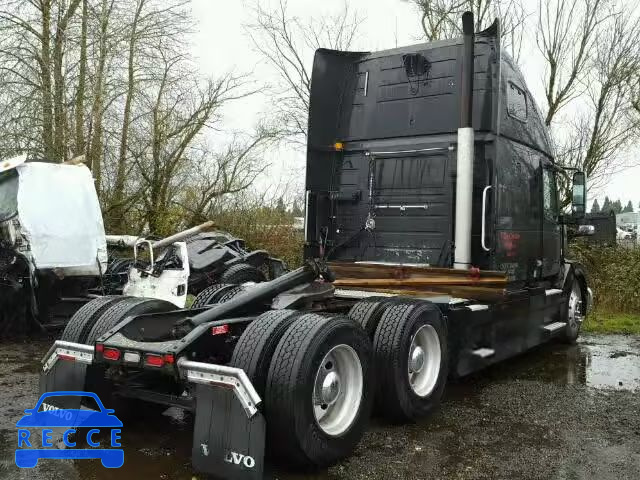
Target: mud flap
(63, 369)
(226, 442)
(229, 429)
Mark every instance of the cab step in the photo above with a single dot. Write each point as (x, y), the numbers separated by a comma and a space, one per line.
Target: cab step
(554, 327)
(484, 352)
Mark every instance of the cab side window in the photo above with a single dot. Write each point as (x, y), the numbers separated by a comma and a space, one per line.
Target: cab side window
(516, 102)
(549, 195)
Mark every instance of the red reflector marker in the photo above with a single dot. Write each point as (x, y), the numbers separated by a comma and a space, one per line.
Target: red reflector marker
(152, 360)
(220, 330)
(70, 358)
(169, 358)
(111, 354)
(99, 347)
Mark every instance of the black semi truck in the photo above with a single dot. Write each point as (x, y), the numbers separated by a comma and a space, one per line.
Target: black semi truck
(432, 157)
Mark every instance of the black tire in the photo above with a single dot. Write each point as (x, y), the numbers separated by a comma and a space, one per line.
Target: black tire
(242, 273)
(368, 313)
(229, 294)
(83, 320)
(120, 310)
(257, 344)
(211, 294)
(571, 317)
(296, 436)
(395, 398)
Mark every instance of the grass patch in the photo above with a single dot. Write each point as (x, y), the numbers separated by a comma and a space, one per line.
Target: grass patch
(605, 322)
(190, 300)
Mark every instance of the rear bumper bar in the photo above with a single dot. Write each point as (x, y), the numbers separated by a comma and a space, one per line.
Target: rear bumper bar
(229, 429)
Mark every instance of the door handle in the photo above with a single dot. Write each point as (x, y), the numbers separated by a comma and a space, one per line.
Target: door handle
(484, 218)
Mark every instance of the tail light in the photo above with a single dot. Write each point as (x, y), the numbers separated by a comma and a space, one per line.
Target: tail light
(220, 330)
(153, 360)
(111, 354)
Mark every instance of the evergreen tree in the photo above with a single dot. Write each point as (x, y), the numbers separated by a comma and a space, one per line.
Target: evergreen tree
(280, 207)
(296, 211)
(616, 207)
(595, 207)
(606, 206)
(628, 208)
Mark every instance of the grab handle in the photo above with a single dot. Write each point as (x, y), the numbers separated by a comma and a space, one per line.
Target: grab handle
(484, 218)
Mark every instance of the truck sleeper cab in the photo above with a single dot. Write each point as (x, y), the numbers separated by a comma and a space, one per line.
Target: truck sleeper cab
(378, 313)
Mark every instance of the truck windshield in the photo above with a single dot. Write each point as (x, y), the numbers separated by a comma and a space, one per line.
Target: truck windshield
(8, 195)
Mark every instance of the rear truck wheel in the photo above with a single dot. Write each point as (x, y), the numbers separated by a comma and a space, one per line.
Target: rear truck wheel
(83, 320)
(411, 360)
(257, 344)
(211, 294)
(96, 379)
(368, 313)
(575, 313)
(317, 398)
(242, 273)
(229, 294)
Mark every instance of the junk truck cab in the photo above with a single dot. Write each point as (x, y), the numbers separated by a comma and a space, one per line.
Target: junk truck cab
(434, 247)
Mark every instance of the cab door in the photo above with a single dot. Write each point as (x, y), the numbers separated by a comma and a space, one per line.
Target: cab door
(551, 237)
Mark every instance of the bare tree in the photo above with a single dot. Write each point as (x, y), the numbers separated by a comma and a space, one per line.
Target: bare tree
(153, 22)
(214, 175)
(440, 19)
(179, 108)
(112, 80)
(592, 55)
(287, 43)
(565, 36)
(104, 48)
(609, 121)
(82, 82)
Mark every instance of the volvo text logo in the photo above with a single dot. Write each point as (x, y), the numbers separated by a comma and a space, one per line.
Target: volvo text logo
(240, 459)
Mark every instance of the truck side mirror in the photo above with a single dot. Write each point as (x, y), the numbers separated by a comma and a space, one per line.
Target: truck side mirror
(579, 195)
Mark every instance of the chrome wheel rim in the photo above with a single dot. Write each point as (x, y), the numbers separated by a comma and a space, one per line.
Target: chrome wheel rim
(337, 391)
(424, 360)
(575, 317)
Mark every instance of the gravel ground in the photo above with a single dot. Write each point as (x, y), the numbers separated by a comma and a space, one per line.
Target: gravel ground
(558, 412)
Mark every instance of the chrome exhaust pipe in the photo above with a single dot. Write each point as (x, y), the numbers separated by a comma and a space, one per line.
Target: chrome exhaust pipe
(465, 157)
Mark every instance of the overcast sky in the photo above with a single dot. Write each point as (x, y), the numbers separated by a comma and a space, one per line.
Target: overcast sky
(221, 44)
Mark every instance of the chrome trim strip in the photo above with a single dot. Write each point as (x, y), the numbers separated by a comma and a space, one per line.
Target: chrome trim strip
(225, 377)
(432, 149)
(80, 352)
(366, 82)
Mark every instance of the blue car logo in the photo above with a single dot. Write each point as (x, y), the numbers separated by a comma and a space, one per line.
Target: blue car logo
(32, 447)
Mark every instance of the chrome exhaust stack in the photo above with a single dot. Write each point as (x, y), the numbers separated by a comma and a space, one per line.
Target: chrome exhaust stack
(464, 181)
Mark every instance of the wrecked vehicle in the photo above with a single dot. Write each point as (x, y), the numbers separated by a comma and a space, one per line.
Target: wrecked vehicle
(52, 242)
(214, 257)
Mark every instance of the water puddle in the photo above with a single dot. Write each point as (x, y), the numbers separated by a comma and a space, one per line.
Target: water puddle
(603, 362)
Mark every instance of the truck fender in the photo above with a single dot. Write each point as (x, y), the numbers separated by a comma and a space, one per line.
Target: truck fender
(575, 270)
